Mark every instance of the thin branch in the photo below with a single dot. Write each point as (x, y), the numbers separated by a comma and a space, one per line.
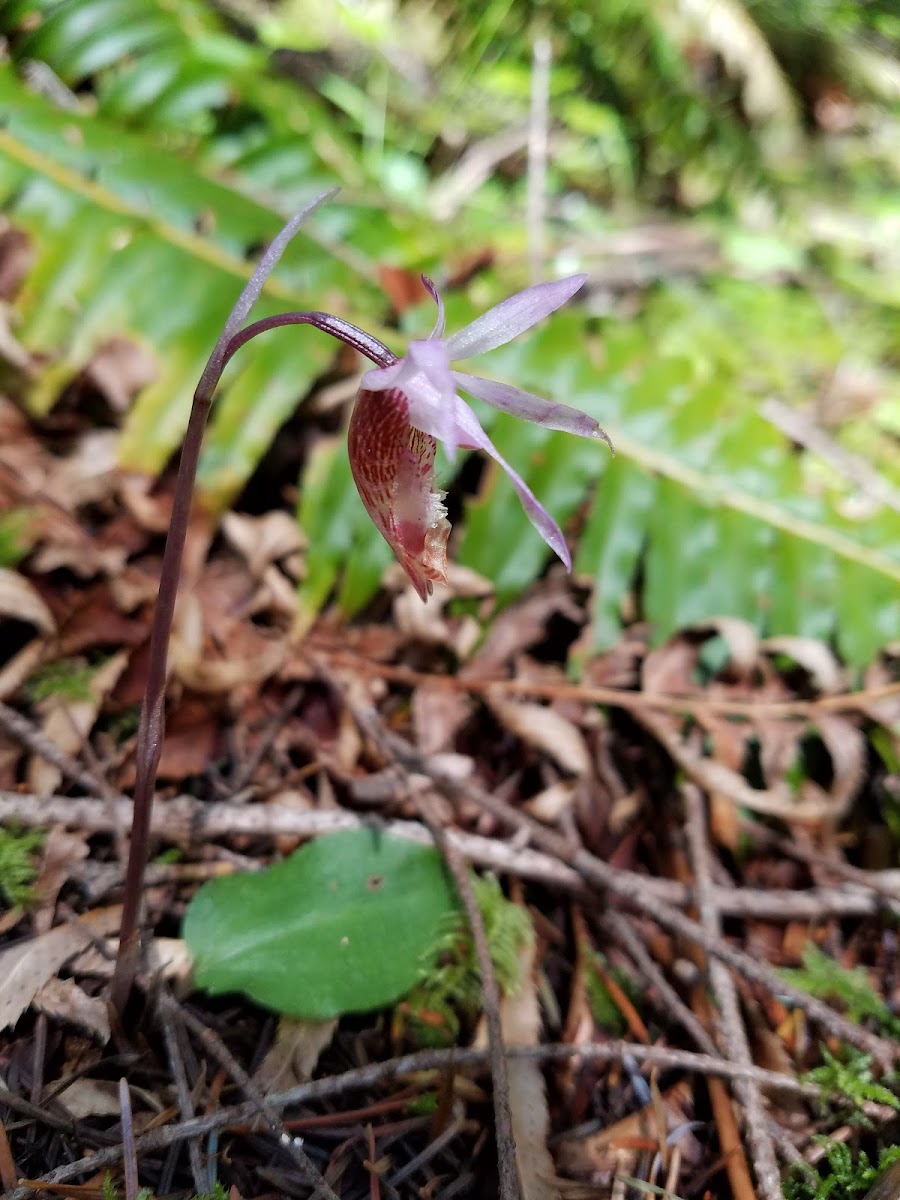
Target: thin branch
(187, 821)
(628, 700)
(129, 1154)
(182, 1093)
(510, 1184)
(670, 1002)
(28, 735)
(734, 1035)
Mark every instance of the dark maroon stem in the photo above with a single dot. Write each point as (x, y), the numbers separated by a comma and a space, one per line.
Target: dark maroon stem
(151, 729)
(351, 335)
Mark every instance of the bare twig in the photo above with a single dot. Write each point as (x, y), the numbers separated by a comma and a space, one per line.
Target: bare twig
(182, 1092)
(25, 732)
(630, 701)
(510, 1184)
(129, 1153)
(245, 772)
(672, 1004)
(734, 1036)
(187, 820)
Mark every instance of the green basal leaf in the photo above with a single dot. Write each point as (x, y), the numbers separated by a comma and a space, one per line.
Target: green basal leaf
(341, 926)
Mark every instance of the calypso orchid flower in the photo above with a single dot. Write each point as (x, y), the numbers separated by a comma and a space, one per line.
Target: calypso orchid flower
(407, 405)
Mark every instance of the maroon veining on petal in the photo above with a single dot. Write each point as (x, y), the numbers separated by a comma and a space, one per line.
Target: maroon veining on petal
(393, 468)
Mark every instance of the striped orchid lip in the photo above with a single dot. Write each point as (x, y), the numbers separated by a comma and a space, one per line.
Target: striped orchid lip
(407, 405)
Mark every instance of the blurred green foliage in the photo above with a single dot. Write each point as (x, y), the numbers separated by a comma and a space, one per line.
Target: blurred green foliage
(18, 863)
(728, 175)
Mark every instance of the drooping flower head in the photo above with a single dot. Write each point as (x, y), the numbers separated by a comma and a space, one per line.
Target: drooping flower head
(407, 405)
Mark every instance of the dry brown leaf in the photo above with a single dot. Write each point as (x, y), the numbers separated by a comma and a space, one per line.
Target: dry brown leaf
(67, 722)
(216, 648)
(739, 636)
(814, 657)
(166, 957)
(64, 1000)
(91, 1098)
(88, 473)
(263, 540)
(20, 667)
(549, 804)
(543, 728)
(62, 855)
(438, 714)
(20, 602)
(669, 670)
(119, 369)
(428, 623)
(810, 803)
(26, 967)
(293, 1055)
(521, 626)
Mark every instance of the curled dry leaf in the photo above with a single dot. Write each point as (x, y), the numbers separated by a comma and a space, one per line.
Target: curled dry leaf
(814, 657)
(808, 803)
(438, 714)
(64, 1000)
(521, 626)
(63, 854)
(26, 967)
(263, 540)
(739, 636)
(20, 602)
(543, 728)
(293, 1055)
(119, 369)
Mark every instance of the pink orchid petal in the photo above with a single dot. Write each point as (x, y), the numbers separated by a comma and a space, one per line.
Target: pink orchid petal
(440, 323)
(471, 434)
(511, 317)
(529, 407)
(392, 464)
(432, 394)
(382, 379)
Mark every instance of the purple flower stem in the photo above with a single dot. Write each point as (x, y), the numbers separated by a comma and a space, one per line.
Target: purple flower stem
(349, 334)
(151, 728)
